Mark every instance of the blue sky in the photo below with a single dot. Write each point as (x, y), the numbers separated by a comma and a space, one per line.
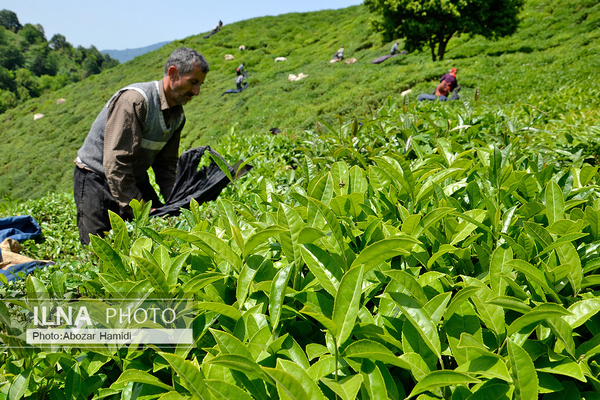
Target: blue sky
(129, 24)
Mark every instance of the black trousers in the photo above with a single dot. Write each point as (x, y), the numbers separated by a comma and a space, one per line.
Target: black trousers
(93, 200)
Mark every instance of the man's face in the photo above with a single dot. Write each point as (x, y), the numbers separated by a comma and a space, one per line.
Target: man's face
(184, 87)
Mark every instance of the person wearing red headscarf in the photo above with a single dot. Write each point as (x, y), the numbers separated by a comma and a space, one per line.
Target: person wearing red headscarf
(450, 78)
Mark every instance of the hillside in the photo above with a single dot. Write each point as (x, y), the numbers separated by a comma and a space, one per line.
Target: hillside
(548, 64)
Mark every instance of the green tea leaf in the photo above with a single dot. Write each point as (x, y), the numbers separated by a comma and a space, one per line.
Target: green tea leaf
(277, 294)
(438, 379)
(383, 250)
(220, 247)
(563, 332)
(538, 314)
(135, 375)
(290, 384)
(333, 224)
(292, 222)
(121, 236)
(581, 311)
(368, 349)
(221, 164)
(190, 375)
(443, 250)
(493, 390)
(310, 386)
(593, 217)
(19, 384)
(220, 308)
(246, 278)
(491, 315)
(373, 381)
(241, 364)
(459, 298)
(499, 267)
(489, 366)
(409, 283)
(534, 275)
(347, 302)
(538, 233)
(555, 202)
(326, 322)
(229, 344)
(261, 238)
(109, 257)
(152, 272)
(323, 266)
(175, 267)
(419, 318)
(73, 383)
(347, 388)
(224, 391)
(522, 370)
(563, 367)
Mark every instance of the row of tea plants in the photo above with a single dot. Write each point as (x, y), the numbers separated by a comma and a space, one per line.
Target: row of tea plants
(426, 251)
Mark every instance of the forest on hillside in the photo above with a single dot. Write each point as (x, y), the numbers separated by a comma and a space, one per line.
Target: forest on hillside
(30, 64)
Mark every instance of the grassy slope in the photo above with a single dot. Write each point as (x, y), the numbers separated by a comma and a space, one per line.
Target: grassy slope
(549, 63)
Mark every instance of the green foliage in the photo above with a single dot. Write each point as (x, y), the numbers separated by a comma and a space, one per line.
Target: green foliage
(9, 20)
(432, 24)
(26, 47)
(529, 72)
(414, 251)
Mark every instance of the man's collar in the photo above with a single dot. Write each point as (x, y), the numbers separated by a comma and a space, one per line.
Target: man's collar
(161, 95)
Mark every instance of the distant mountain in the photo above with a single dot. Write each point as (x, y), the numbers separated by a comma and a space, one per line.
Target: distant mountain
(130, 54)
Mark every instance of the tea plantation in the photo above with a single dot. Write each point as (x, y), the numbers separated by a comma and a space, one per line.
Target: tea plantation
(381, 248)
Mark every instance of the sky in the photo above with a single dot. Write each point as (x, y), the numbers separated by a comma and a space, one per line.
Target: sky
(131, 24)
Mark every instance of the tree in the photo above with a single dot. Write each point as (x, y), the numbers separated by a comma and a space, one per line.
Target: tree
(27, 87)
(11, 57)
(7, 80)
(9, 20)
(59, 42)
(33, 34)
(90, 67)
(433, 23)
(7, 100)
(40, 61)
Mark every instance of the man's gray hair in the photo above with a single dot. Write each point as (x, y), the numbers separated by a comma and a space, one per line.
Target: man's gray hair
(184, 59)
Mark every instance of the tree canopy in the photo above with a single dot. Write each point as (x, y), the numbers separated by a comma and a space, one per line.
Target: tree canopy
(433, 23)
(31, 65)
(9, 20)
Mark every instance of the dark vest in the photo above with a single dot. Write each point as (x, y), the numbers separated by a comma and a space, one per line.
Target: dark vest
(154, 138)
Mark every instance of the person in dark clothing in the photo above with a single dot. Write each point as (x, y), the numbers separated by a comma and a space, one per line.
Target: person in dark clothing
(339, 55)
(450, 77)
(448, 84)
(239, 84)
(138, 128)
(239, 81)
(441, 93)
(240, 69)
(214, 30)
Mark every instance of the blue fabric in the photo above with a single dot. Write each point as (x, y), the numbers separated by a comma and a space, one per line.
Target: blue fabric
(11, 273)
(382, 59)
(19, 228)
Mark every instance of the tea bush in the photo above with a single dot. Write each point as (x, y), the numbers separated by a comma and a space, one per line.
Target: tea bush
(414, 253)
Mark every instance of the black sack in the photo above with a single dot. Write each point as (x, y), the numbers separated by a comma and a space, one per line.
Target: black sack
(204, 184)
